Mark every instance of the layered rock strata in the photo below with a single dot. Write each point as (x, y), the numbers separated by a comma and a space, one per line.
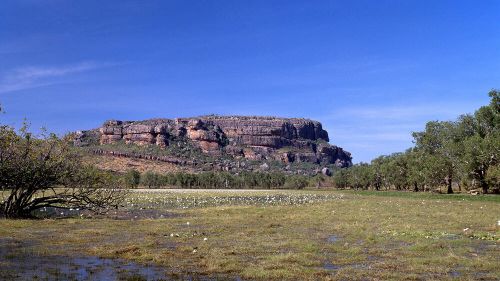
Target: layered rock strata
(254, 138)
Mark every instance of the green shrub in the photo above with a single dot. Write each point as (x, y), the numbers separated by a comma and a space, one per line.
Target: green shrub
(132, 179)
(151, 180)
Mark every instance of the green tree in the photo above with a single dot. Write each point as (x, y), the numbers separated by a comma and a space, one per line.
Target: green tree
(493, 178)
(397, 171)
(46, 171)
(360, 176)
(488, 117)
(341, 178)
(479, 155)
(481, 145)
(132, 178)
(416, 172)
(151, 180)
(296, 182)
(379, 172)
(445, 153)
(438, 141)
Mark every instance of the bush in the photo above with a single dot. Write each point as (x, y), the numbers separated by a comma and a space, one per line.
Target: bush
(151, 180)
(493, 178)
(45, 171)
(132, 179)
(213, 180)
(296, 182)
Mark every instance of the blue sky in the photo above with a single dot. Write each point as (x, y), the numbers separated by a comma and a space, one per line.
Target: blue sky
(371, 71)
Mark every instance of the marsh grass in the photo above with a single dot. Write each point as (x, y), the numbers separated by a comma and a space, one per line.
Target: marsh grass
(427, 195)
(377, 237)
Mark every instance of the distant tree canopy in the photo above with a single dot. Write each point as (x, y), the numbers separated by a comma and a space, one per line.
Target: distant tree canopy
(132, 178)
(46, 171)
(214, 180)
(464, 152)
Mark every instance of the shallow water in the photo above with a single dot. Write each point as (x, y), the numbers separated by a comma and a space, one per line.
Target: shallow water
(333, 238)
(30, 267)
(18, 261)
(119, 214)
(331, 266)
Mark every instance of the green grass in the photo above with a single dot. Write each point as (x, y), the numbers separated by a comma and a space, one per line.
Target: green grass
(428, 195)
(376, 236)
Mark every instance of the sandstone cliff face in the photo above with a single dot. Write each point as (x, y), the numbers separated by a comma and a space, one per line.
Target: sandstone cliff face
(255, 138)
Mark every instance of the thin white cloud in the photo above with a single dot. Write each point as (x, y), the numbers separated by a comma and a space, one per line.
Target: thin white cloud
(40, 76)
(402, 112)
(368, 131)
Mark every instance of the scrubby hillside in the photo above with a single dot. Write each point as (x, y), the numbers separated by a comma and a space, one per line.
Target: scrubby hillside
(229, 143)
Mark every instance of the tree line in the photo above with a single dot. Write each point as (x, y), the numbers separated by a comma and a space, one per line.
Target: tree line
(463, 153)
(212, 180)
(46, 171)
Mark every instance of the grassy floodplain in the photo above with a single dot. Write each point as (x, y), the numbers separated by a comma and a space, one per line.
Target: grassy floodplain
(271, 235)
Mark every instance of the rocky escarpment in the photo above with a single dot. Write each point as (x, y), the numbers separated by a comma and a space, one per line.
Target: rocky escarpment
(288, 140)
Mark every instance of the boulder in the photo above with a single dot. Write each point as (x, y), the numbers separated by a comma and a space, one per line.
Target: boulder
(264, 167)
(209, 146)
(161, 140)
(140, 139)
(326, 172)
(139, 129)
(109, 139)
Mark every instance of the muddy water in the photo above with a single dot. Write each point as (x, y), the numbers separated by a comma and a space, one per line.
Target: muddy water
(19, 261)
(333, 238)
(80, 268)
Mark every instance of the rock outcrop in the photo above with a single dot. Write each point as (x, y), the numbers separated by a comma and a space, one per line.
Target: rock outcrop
(255, 138)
